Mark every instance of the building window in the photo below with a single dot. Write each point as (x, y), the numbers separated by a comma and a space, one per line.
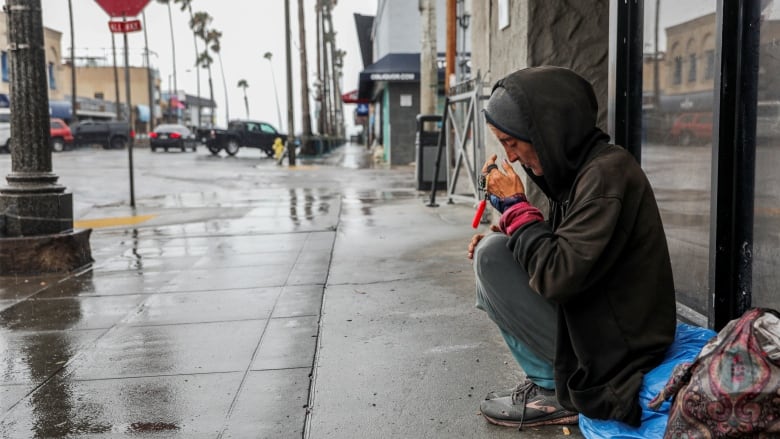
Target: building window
(692, 68)
(677, 78)
(52, 78)
(4, 61)
(709, 73)
(503, 14)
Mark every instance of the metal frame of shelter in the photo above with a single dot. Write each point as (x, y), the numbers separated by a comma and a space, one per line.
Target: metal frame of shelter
(462, 126)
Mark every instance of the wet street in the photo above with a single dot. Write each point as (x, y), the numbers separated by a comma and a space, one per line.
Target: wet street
(241, 299)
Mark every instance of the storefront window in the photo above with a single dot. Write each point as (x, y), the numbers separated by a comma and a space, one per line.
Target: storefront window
(766, 229)
(677, 135)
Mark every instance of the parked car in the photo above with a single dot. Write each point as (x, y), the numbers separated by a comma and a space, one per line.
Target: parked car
(172, 136)
(243, 133)
(690, 128)
(60, 135)
(108, 134)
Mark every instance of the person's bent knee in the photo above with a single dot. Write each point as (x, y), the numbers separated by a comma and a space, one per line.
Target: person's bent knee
(490, 249)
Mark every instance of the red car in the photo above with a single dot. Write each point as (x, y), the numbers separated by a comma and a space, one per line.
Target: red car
(690, 128)
(61, 136)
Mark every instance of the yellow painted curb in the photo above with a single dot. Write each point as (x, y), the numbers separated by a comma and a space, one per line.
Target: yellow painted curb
(111, 222)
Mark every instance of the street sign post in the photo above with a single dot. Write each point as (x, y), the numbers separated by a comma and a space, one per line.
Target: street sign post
(124, 9)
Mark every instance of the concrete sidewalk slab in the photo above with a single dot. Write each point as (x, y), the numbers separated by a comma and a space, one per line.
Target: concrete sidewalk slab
(204, 321)
(403, 352)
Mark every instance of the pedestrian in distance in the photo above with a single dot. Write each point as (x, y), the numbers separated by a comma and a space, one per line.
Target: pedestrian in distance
(584, 298)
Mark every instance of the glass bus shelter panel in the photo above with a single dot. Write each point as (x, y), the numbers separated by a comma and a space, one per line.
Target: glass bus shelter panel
(766, 225)
(678, 89)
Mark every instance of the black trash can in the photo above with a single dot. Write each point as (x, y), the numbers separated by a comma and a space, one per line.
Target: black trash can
(426, 145)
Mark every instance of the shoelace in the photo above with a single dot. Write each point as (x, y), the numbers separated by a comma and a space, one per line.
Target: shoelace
(525, 389)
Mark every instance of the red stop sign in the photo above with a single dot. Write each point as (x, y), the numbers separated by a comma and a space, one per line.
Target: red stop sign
(123, 8)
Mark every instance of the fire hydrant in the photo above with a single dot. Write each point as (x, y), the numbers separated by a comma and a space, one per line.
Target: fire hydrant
(278, 148)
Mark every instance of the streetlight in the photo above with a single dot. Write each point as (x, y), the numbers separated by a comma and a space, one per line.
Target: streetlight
(268, 56)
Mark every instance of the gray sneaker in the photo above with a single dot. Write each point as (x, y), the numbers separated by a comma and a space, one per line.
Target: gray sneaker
(528, 406)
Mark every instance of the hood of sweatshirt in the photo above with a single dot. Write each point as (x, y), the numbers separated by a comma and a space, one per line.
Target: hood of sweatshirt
(555, 110)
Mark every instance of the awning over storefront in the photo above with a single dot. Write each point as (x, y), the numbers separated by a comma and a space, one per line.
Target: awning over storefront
(60, 110)
(393, 67)
(351, 97)
(143, 113)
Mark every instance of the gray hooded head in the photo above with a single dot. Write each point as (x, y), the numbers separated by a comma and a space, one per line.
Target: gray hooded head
(555, 110)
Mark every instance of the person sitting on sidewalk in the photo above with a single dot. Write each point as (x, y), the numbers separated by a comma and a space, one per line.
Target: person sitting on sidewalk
(585, 299)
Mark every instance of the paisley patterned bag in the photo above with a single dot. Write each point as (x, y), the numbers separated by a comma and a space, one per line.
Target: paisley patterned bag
(732, 389)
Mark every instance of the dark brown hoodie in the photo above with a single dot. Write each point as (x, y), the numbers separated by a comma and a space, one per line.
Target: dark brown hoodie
(601, 255)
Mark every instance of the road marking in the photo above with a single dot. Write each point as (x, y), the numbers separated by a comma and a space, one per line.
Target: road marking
(98, 223)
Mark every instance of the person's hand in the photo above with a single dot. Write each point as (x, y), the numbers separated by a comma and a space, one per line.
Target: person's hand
(503, 189)
(501, 184)
(478, 237)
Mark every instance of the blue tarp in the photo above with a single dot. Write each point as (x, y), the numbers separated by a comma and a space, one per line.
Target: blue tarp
(688, 341)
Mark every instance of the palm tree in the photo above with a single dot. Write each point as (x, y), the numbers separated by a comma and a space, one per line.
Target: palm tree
(173, 45)
(199, 25)
(212, 40)
(243, 84)
(186, 5)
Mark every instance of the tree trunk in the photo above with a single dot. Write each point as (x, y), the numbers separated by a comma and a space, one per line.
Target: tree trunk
(197, 70)
(173, 56)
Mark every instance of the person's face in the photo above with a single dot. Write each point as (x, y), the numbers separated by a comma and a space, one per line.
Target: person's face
(519, 151)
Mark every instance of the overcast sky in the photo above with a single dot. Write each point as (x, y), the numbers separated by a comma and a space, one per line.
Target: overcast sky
(249, 29)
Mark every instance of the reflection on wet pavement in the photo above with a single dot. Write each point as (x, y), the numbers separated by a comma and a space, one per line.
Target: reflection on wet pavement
(200, 322)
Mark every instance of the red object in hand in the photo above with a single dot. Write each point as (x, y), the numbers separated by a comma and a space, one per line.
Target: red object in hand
(478, 215)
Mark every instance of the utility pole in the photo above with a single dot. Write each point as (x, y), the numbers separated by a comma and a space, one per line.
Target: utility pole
(326, 73)
(290, 112)
(173, 53)
(449, 72)
(148, 76)
(117, 100)
(305, 111)
(428, 70)
(73, 103)
(337, 124)
(36, 214)
(320, 98)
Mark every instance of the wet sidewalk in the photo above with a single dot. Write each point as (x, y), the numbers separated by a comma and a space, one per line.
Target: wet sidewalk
(332, 304)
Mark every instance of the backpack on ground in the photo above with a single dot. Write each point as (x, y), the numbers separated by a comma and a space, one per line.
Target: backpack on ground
(732, 389)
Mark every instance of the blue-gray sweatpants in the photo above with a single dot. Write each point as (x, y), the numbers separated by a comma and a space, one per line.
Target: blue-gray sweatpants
(527, 321)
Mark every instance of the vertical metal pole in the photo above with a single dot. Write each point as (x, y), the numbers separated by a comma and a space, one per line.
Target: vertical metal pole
(73, 103)
(734, 161)
(117, 101)
(290, 112)
(625, 109)
(149, 77)
(173, 56)
(130, 120)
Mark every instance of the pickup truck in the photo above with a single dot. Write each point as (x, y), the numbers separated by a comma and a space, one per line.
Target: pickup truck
(108, 134)
(243, 133)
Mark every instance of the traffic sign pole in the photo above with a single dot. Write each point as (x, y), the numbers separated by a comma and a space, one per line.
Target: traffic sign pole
(124, 9)
(130, 120)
